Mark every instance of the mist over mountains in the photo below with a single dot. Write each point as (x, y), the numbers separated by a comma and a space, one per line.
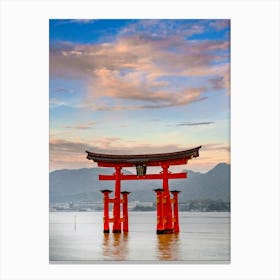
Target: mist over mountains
(83, 185)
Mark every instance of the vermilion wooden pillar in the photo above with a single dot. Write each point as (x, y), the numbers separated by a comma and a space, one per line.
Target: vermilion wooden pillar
(160, 211)
(167, 207)
(106, 228)
(125, 210)
(176, 210)
(116, 210)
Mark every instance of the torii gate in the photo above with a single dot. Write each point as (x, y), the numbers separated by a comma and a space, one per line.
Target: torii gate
(167, 220)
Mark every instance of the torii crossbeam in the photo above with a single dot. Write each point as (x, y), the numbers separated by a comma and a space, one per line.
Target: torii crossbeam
(166, 221)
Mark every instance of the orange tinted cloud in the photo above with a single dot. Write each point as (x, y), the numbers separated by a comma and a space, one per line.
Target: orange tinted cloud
(71, 154)
(136, 67)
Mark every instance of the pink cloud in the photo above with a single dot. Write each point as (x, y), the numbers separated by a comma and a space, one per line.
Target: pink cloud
(135, 67)
(220, 24)
(110, 83)
(71, 154)
(81, 126)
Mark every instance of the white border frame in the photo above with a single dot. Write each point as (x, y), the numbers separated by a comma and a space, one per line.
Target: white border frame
(254, 137)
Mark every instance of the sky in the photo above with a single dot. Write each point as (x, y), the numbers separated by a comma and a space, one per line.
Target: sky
(139, 86)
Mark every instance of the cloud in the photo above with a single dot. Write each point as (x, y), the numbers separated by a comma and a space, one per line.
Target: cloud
(83, 126)
(135, 70)
(194, 123)
(159, 29)
(163, 57)
(63, 90)
(78, 127)
(70, 21)
(62, 145)
(108, 145)
(67, 154)
(54, 102)
(134, 88)
(71, 154)
(220, 24)
(84, 20)
(216, 147)
(222, 78)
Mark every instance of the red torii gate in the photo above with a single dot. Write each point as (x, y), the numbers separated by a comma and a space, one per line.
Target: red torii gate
(166, 221)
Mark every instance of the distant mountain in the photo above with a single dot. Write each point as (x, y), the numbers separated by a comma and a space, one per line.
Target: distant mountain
(83, 185)
(215, 184)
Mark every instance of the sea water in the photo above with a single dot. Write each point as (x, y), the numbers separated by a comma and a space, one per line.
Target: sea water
(78, 237)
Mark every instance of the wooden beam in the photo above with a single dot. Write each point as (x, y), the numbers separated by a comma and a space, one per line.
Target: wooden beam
(151, 163)
(108, 164)
(182, 175)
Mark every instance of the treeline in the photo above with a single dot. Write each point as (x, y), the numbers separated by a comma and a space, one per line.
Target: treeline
(144, 208)
(205, 205)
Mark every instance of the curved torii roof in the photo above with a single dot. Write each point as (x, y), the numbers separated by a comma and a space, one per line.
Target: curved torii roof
(145, 159)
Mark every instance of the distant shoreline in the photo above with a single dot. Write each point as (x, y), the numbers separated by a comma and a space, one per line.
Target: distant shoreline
(101, 211)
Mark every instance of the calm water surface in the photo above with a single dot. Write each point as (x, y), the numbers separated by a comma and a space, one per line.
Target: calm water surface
(203, 237)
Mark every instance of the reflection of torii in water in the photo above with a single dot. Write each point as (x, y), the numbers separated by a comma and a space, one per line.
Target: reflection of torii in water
(166, 221)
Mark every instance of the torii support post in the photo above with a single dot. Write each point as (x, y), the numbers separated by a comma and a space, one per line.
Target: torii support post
(106, 228)
(167, 207)
(125, 210)
(117, 201)
(160, 211)
(175, 211)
